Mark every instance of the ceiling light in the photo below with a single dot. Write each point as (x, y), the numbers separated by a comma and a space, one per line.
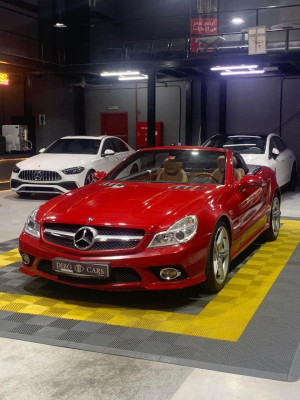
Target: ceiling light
(237, 21)
(60, 25)
(133, 78)
(252, 71)
(234, 67)
(120, 73)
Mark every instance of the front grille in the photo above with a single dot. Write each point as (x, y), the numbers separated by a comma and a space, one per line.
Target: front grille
(117, 244)
(118, 275)
(39, 176)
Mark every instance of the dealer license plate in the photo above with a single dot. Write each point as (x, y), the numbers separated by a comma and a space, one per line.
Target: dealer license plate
(81, 269)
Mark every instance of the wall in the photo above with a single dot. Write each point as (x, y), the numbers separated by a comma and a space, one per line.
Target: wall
(170, 105)
(253, 106)
(54, 97)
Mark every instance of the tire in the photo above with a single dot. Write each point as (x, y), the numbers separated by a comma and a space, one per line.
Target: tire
(293, 182)
(218, 257)
(272, 232)
(89, 178)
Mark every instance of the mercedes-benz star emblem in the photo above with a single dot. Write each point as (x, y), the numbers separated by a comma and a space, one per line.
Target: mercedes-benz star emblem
(85, 238)
(37, 176)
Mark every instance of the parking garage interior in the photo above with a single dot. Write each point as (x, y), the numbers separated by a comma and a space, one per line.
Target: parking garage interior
(240, 343)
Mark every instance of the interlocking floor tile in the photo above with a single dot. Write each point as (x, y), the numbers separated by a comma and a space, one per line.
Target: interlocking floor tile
(253, 324)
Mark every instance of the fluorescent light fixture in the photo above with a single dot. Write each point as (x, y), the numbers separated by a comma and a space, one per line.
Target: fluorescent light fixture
(237, 21)
(120, 73)
(233, 67)
(133, 78)
(60, 25)
(252, 71)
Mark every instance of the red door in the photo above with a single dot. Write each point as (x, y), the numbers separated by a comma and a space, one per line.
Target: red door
(115, 124)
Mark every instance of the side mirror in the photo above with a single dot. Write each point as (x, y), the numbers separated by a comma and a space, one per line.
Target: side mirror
(249, 182)
(98, 176)
(42, 150)
(109, 152)
(275, 152)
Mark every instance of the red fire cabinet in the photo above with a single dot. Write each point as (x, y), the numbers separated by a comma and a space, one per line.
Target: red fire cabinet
(142, 134)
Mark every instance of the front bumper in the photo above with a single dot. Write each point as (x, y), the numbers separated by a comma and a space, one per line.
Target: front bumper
(42, 187)
(142, 267)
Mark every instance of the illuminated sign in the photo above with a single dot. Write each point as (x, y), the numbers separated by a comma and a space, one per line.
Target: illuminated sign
(4, 79)
(204, 26)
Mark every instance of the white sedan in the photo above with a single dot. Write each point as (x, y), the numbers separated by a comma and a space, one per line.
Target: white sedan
(67, 164)
(269, 150)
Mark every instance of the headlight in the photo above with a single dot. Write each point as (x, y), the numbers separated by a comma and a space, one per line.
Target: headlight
(73, 171)
(16, 170)
(31, 226)
(182, 231)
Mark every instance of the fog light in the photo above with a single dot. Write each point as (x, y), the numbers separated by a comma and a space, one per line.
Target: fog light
(170, 273)
(26, 259)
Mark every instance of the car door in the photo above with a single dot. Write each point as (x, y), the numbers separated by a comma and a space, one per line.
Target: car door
(287, 160)
(277, 160)
(109, 161)
(122, 150)
(249, 205)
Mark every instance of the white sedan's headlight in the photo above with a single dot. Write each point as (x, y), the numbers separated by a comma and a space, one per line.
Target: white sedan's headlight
(182, 231)
(31, 226)
(73, 170)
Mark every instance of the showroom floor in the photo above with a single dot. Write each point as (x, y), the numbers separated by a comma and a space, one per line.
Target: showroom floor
(85, 358)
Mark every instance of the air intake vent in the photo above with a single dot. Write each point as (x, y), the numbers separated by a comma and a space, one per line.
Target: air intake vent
(112, 184)
(184, 187)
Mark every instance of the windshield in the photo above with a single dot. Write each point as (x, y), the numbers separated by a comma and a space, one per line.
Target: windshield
(74, 146)
(180, 166)
(241, 144)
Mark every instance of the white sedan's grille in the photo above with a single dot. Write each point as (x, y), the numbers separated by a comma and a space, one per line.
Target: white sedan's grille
(39, 176)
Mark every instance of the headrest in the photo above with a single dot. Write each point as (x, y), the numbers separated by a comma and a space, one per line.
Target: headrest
(172, 167)
(234, 160)
(221, 162)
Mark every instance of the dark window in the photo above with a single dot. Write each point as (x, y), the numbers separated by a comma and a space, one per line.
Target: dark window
(74, 146)
(243, 144)
(108, 145)
(279, 143)
(119, 146)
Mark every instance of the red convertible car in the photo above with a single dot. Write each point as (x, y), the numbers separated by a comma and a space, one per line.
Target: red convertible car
(164, 218)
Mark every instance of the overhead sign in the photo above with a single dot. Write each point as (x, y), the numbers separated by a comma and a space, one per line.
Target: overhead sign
(204, 26)
(4, 79)
(257, 40)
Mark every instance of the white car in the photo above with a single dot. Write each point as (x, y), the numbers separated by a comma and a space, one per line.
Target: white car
(269, 150)
(67, 164)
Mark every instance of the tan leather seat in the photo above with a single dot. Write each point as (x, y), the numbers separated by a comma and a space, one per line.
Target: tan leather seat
(172, 171)
(219, 172)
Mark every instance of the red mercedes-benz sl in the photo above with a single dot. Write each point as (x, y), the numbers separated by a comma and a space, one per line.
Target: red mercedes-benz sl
(164, 218)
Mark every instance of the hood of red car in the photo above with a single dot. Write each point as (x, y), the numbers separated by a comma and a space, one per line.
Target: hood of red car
(126, 204)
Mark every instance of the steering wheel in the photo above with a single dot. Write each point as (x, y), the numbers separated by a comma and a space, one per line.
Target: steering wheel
(206, 174)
